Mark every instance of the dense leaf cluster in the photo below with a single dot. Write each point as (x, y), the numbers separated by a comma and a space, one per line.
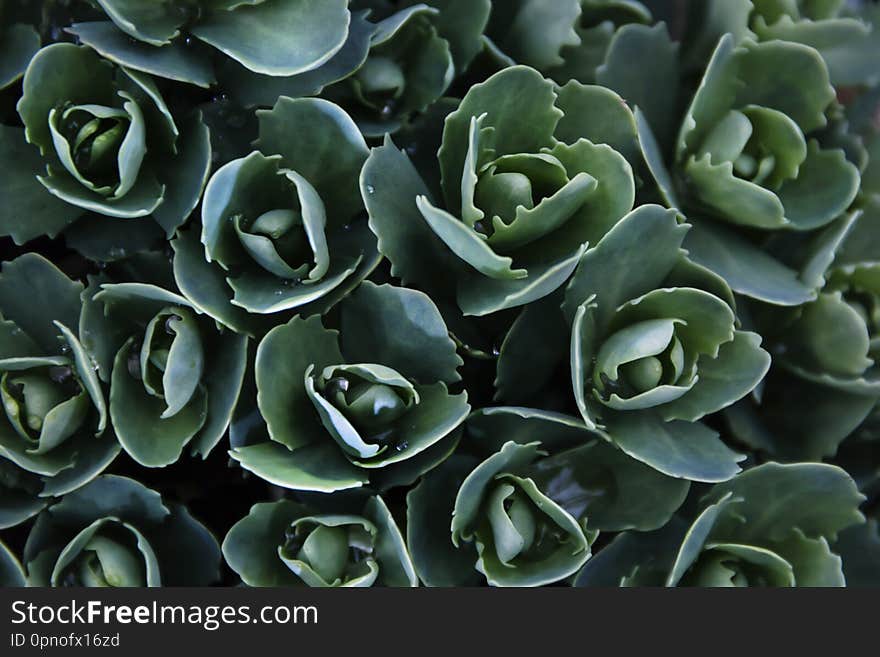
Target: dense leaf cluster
(446, 293)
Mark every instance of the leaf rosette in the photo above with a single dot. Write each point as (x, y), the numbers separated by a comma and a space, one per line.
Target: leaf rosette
(54, 434)
(369, 403)
(825, 353)
(847, 43)
(503, 526)
(116, 532)
(750, 170)
(287, 544)
(737, 539)
(108, 145)
(527, 514)
(282, 231)
(174, 374)
(524, 188)
(409, 66)
(655, 348)
(565, 40)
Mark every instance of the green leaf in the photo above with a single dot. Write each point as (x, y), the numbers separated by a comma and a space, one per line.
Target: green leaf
(278, 38)
(733, 199)
(174, 61)
(400, 328)
(817, 498)
(650, 88)
(847, 45)
(395, 565)
(641, 556)
(251, 546)
(531, 351)
(390, 186)
(144, 21)
(599, 115)
(812, 560)
(204, 284)
(251, 89)
(319, 141)
(319, 467)
(33, 294)
(618, 269)
(480, 295)
(824, 188)
(223, 381)
(283, 357)
(860, 548)
(746, 268)
(695, 539)
(613, 196)
(654, 159)
(104, 239)
(494, 426)
(185, 175)
(830, 336)
(428, 511)
(85, 369)
(11, 572)
(468, 244)
(540, 30)
(679, 449)
(20, 43)
(199, 563)
(146, 195)
(606, 490)
(30, 211)
(462, 22)
(740, 366)
(148, 438)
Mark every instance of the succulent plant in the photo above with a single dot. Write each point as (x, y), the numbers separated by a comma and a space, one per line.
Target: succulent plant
(444, 293)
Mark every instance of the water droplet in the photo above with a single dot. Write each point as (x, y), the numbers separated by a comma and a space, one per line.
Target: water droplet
(496, 351)
(222, 97)
(278, 293)
(187, 40)
(370, 189)
(65, 348)
(401, 445)
(387, 110)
